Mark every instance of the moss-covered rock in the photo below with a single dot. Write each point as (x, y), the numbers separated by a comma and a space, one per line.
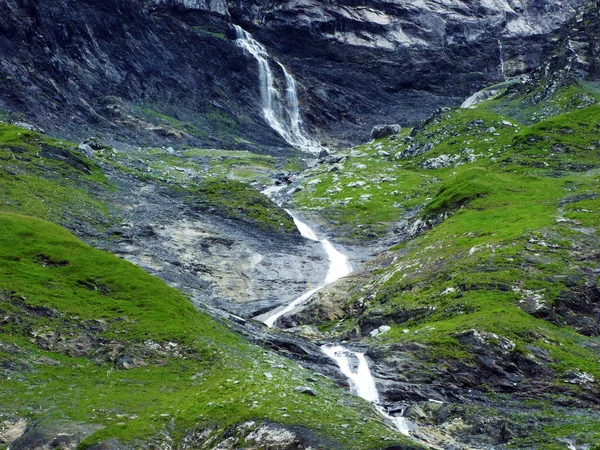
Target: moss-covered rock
(239, 201)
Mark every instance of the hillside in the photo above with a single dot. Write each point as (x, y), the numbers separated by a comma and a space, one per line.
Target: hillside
(488, 300)
(137, 266)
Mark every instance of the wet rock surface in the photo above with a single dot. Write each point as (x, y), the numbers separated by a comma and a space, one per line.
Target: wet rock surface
(157, 71)
(220, 262)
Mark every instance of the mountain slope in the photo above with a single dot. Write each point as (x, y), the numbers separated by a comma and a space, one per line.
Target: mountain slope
(156, 72)
(488, 302)
(94, 349)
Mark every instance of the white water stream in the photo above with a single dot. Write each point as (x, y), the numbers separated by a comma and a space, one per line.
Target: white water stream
(501, 52)
(338, 267)
(352, 364)
(280, 109)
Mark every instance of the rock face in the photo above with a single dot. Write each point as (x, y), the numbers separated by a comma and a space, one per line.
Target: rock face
(134, 71)
(157, 71)
(381, 131)
(220, 262)
(212, 6)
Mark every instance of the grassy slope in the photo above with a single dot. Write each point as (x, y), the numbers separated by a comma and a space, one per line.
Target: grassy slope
(516, 222)
(51, 179)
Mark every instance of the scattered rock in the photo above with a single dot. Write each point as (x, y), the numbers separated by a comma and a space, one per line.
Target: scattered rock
(382, 329)
(306, 390)
(53, 435)
(12, 429)
(126, 362)
(356, 184)
(381, 131)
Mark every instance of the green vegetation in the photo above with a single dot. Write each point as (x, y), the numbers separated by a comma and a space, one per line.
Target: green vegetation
(50, 179)
(210, 31)
(459, 190)
(165, 120)
(71, 313)
(510, 213)
(238, 200)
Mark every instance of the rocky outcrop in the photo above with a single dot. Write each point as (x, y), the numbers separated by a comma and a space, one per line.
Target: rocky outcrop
(158, 71)
(53, 434)
(134, 71)
(224, 263)
(381, 131)
(212, 6)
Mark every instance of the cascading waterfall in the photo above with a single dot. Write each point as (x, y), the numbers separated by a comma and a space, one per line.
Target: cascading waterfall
(501, 53)
(338, 267)
(352, 364)
(281, 112)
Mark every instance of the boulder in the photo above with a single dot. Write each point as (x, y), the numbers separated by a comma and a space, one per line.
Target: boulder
(381, 131)
(306, 390)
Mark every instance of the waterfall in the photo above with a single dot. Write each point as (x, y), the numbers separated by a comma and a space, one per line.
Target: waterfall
(354, 366)
(338, 267)
(280, 110)
(500, 52)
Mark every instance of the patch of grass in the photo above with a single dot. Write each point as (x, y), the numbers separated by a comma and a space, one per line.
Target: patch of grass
(460, 189)
(210, 32)
(240, 201)
(51, 179)
(160, 118)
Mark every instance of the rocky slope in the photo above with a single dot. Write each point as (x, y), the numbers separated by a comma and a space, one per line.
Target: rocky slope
(96, 353)
(478, 316)
(167, 71)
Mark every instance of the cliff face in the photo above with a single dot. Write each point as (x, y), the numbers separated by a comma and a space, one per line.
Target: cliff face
(129, 70)
(166, 71)
(376, 61)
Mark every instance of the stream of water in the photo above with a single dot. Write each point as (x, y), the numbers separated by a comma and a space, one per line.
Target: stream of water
(501, 53)
(280, 109)
(339, 267)
(352, 364)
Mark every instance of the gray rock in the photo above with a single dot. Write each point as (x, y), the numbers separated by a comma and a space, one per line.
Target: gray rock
(381, 131)
(12, 429)
(55, 434)
(86, 150)
(29, 127)
(125, 362)
(213, 6)
(306, 390)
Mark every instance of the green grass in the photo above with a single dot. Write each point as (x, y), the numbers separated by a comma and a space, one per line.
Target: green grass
(216, 33)
(193, 372)
(240, 201)
(512, 218)
(51, 179)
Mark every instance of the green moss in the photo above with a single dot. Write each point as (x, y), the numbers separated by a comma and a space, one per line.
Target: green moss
(240, 201)
(216, 33)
